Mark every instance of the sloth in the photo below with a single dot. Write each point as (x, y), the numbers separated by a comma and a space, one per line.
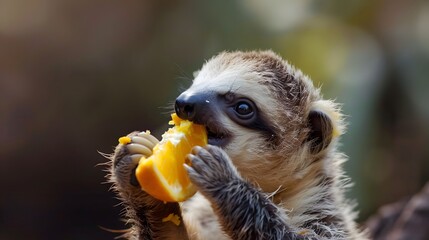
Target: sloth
(271, 169)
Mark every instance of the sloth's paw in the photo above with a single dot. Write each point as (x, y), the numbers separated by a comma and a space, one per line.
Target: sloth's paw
(210, 169)
(126, 158)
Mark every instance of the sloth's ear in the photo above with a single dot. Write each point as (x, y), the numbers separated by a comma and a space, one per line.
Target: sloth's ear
(321, 131)
(325, 123)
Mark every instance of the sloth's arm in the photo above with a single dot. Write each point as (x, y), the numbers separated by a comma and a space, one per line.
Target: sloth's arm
(143, 212)
(244, 211)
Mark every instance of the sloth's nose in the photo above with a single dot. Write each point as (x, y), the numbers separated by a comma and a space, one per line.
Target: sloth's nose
(185, 106)
(195, 107)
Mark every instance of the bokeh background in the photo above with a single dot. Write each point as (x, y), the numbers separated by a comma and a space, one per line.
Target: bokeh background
(76, 75)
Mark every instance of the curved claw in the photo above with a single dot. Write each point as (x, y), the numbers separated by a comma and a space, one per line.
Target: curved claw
(149, 137)
(143, 141)
(139, 149)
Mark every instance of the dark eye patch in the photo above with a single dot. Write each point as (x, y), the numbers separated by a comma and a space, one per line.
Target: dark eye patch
(245, 112)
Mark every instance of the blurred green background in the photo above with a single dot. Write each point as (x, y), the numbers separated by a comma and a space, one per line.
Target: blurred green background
(76, 75)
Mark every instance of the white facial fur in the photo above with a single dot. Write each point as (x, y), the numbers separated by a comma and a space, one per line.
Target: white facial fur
(248, 148)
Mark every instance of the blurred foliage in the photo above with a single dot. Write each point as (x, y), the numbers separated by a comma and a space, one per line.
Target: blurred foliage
(76, 75)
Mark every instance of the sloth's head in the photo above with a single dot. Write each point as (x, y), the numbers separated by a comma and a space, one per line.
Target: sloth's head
(260, 110)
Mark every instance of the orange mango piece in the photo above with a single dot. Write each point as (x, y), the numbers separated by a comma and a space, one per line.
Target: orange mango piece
(163, 175)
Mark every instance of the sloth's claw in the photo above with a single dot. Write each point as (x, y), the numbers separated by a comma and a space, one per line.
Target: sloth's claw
(126, 158)
(137, 148)
(148, 137)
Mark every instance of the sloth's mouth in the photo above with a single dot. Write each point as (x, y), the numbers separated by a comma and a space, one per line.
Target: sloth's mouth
(216, 135)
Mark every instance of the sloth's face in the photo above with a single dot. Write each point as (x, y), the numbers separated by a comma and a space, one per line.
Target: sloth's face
(261, 111)
(234, 107)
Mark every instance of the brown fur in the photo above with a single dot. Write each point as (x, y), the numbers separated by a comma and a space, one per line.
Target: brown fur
(288, 171)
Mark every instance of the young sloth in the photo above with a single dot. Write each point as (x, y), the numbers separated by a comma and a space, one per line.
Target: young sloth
(271, 169)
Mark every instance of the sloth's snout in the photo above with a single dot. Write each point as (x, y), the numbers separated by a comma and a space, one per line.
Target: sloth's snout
(203, 108)
(192, 107)
(185, 107)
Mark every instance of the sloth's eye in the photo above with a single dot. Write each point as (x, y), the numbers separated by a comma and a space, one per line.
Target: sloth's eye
(244, 110)
(241, 110)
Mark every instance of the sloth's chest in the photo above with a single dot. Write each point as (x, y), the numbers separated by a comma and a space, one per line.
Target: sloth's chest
(200, 220)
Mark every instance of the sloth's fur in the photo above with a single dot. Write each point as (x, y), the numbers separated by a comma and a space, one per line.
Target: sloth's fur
(281, 178)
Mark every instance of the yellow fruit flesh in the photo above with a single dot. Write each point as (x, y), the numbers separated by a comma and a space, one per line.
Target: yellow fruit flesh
(162, 175)
(172, 218)
(124, 140)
